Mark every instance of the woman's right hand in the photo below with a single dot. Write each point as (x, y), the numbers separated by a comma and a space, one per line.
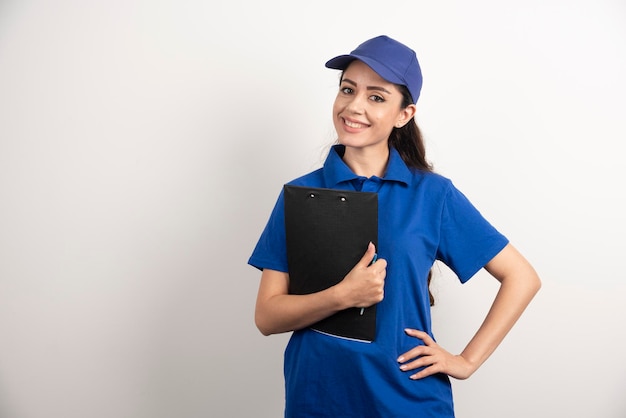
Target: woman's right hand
(364, 285)
(278, 311)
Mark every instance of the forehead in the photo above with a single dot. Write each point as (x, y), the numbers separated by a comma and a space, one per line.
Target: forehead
(358, 70)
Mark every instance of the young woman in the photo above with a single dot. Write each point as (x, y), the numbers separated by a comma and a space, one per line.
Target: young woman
(422, 218)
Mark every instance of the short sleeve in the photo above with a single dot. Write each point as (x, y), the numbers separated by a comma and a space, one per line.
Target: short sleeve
(271, 249)
(467, 240)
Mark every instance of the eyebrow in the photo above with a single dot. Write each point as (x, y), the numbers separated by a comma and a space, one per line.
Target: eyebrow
(377, 88)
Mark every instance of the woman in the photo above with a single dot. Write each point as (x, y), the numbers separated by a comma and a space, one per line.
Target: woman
(422, 218)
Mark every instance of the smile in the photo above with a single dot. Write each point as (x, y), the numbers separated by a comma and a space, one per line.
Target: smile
(355, 125)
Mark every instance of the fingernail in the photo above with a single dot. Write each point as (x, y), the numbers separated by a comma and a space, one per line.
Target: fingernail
(400, 359)
(403, 367)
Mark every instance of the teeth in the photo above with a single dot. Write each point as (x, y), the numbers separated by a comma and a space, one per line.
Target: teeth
(353, 124)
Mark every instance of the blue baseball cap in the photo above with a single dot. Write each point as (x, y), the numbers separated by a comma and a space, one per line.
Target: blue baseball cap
(393, 61)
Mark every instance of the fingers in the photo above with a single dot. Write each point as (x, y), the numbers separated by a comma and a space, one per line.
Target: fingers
(371, 263)
(420, 350)
(427, 362)
(416, 352)
(420, 334)
(369, 255)
(430, 358)
(425, 357)
(364, 285)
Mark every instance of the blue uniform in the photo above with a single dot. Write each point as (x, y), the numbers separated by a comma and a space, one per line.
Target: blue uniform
(422, 218)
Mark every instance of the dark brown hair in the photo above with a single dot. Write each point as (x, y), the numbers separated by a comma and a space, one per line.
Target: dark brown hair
(408, 140)
(409, 143)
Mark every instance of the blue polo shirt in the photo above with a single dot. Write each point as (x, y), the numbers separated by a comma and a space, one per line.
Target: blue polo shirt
(422, 218)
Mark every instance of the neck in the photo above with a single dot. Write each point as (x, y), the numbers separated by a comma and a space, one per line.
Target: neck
(367, 162)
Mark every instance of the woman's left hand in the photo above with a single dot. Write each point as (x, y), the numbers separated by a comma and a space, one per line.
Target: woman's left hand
(433, 359)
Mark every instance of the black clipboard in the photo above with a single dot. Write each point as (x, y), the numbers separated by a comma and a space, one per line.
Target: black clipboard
(328, 232)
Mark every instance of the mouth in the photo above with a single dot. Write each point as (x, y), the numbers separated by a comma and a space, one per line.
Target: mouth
(354, 124)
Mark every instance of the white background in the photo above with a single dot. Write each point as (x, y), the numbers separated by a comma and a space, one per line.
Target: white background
(143, 144)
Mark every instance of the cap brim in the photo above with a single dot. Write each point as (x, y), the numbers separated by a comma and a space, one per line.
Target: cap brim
(340, 62)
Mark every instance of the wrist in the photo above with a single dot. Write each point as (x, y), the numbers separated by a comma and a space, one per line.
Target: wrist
(471, 365)
(338, 297)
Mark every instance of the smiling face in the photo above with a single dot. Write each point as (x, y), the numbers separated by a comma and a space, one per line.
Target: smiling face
(367, 108)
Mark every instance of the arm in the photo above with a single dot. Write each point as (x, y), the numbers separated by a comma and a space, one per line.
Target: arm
(518, 285)
(277, 311)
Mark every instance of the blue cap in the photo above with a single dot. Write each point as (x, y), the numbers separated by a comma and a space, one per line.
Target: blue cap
(393, 61)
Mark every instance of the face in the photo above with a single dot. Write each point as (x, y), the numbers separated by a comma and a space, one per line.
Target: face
(367, 108)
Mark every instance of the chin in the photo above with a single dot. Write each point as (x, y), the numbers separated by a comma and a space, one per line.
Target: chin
(361, 144)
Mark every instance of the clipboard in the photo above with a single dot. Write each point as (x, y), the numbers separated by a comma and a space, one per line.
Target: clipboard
(327, 232)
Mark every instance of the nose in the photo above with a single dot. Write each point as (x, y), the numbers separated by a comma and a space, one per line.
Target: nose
(356, 104)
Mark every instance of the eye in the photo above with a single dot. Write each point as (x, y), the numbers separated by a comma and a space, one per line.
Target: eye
(376, 98)
(346, 90)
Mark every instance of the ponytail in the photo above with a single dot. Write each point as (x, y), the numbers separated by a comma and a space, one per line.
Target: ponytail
(409, 143)
(408, 140)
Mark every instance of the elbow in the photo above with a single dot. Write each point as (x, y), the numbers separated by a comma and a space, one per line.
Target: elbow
(525, 283)
(262, 325)
(531, 280)
(532, 283)
(537, 284)
(264, 331)
(535, 281)
(269, 325)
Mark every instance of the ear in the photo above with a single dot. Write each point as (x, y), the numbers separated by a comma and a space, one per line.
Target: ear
(406, 115)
